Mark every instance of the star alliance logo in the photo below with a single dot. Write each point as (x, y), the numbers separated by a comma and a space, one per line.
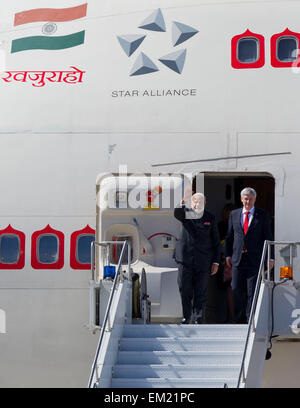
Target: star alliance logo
(155, 22)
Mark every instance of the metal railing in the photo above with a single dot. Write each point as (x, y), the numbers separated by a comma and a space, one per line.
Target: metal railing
(107, 244)
(261, 278)
(118, 278)
(96, 285)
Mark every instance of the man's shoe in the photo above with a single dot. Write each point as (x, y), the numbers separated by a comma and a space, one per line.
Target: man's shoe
(198, 317)
(185, 321)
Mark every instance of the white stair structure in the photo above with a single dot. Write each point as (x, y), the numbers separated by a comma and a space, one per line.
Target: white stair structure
(179, 356)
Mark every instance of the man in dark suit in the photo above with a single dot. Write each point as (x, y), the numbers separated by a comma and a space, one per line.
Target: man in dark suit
(248, 229)
(197, 254)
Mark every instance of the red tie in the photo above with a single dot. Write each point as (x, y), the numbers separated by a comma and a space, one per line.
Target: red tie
(246, 225)
(246, 222)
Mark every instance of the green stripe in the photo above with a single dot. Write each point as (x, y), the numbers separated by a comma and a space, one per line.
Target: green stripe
(40, 42)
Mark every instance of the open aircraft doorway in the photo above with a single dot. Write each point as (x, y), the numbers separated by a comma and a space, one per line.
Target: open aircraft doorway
(222, 191)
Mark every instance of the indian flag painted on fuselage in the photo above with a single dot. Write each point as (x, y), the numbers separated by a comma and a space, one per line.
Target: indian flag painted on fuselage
(44, 42)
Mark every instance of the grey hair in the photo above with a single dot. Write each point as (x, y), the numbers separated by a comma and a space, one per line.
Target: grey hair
(199, 195)
(248, 190)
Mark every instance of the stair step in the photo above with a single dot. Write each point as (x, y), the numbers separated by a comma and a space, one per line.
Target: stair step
(175, 371)
(173, 382)
(179, 357)
(189, 330)
(181, 344)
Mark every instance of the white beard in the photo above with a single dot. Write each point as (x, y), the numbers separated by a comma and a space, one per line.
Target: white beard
(198, 212)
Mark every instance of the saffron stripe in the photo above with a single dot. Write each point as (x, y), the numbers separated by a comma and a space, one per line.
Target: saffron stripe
(40, 42)
(48, 14)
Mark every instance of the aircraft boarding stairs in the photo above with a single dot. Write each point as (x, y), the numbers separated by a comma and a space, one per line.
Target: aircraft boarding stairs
(179, 356)
(134, 355)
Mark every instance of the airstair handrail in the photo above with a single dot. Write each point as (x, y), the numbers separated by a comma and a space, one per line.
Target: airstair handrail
(252, 313)
(107, 244)
(261, 278)
(105, 320)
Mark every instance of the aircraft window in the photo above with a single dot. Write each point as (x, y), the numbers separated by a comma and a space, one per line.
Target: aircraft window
(9, 249)
(47, 248)
(83, 248)
(286, 47)
(247, 50)
(80, 248)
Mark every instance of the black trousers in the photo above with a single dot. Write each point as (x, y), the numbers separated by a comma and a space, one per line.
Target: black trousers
(193, 285)
(244, 277)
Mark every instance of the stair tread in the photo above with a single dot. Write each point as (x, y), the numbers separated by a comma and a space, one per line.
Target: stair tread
(173, 382)
(175, 338)
(180, 352)
(184, 330)
(198, 327)
(176, 371)
(186, 379)
(139, 366)
(181, 344)
(161, 379)
(179, 357)
(186, 326)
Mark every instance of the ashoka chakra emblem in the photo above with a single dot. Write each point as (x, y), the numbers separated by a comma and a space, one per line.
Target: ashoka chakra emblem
(49, 28)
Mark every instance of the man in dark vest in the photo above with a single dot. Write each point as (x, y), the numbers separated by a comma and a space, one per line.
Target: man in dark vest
(197, 254)
(248, 229)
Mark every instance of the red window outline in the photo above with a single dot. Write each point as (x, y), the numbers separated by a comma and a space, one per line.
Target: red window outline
(274, 60)
(35, 263)
(235, 63)
(21, 261)
(73, 246)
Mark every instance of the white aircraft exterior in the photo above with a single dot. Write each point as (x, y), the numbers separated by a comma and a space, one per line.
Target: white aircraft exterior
(182, 99)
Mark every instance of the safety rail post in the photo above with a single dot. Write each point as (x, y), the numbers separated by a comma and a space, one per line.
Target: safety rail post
(93, 300)
(251, 323)
(93, 260)
(129, 260)
(291, 256)
(268, 263)
(93, 287)
(94, 370)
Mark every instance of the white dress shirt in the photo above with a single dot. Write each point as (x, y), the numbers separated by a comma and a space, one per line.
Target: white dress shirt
(250, 216)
